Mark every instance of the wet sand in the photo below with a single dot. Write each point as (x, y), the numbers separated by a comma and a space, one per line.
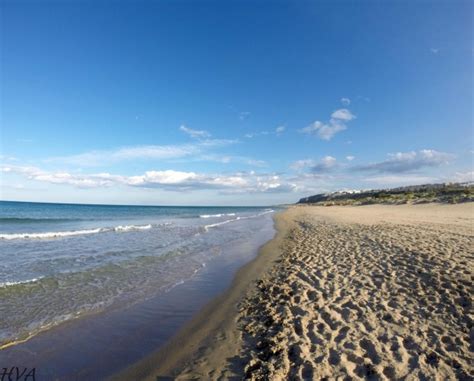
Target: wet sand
(371, 292)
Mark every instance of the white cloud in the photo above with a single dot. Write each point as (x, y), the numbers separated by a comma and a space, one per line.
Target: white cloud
(398, 180)
(414, 179)
(168, 177)
(409, 161)
(343, 114)
(241, 182)
(324, 131)
(104, 157)
(326, 164)
(226, 159)
(434, 50)
(196, 134)
(78, 180)
(279, 130)
(345, 101)
(209, 143)
(336, 124)
(350, 158)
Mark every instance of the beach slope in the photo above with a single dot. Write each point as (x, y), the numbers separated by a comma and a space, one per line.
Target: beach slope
(370, 292)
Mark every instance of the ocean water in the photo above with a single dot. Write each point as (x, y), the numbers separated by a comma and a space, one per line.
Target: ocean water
(62, 261)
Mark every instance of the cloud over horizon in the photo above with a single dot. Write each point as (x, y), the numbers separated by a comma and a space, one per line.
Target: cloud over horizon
(238, 182)
(409, 161)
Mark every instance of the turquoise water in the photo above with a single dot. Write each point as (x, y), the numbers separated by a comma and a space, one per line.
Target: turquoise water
(61, 261)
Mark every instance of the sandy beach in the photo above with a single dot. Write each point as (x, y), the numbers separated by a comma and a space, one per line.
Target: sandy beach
(372, 292)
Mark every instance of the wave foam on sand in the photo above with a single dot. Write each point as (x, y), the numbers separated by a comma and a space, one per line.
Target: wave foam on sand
(207, 227)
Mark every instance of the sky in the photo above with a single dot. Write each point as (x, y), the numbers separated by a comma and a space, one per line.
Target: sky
(232, 103)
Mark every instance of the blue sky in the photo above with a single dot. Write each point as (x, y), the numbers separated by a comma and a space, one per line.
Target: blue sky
(232, 103)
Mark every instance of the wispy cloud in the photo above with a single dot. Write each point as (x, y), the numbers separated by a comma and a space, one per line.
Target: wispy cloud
(98, 158)
(434, 50)
(277, 132)
(7, 158)
(350, 158)
(463, 177)
(414, 179)
(105, 157)
(299, 165)
(326, 164)
(409, 161)
(255, 162)
(345, 101)
(244, 115)
(256, 134)
(336, 124)
(395, 180)
(226, 159)
(196, 134)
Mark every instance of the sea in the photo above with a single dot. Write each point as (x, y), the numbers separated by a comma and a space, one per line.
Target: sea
(61, 262)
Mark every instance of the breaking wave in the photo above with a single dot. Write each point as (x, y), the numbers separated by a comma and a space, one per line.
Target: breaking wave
(49, 235)
(216, 215)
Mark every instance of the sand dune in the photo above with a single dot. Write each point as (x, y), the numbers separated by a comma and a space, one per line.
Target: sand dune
(376, 292)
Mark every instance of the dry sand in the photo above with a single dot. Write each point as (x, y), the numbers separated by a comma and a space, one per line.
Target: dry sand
(371, 292)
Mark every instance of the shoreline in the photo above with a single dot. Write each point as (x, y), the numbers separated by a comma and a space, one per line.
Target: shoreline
(96, 346)
(214, 319)
(327, 322)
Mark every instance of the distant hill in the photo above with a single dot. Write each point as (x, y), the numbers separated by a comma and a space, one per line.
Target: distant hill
(452, 193)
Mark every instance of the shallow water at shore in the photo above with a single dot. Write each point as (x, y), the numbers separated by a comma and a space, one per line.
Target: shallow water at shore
(98, 346)
(61, 262)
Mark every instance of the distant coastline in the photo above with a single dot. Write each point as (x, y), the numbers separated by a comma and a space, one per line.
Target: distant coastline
(451, 193)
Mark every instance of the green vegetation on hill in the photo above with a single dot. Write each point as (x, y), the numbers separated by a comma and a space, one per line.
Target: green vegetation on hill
(443, 193)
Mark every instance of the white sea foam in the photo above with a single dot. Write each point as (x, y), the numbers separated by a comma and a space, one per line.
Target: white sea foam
(216, 215)
(127, 228)
(207, 227)
(49, 235)
(6, 284)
